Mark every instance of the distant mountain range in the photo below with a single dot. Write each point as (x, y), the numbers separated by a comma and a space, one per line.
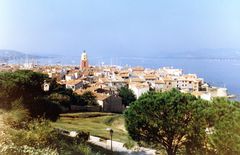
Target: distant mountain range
(222, 53)
(6, 55)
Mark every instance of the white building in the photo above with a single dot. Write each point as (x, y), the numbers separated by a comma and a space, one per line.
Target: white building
(69, 77)
(139, 89)
(159, 85)
(189, 82)
(167, 71)
(211, 93)
(218, 92)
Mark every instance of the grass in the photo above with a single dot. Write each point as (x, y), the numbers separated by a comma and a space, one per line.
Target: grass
(86, 114)
(95, 123)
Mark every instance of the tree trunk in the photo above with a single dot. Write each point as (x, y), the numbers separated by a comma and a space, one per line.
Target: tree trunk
(171, 151)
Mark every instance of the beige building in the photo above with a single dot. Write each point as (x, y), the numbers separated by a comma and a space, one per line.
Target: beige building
(74, 84)
(110, 103)
(170, 83)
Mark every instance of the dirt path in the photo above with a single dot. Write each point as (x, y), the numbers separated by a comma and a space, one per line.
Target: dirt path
(119, 147)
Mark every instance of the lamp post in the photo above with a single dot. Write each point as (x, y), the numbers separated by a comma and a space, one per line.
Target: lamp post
(111, 134)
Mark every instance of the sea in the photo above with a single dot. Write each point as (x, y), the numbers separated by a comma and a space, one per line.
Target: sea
(218, 72)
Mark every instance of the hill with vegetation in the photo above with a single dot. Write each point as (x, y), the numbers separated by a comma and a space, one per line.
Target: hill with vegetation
(26, 111)
(6, 55)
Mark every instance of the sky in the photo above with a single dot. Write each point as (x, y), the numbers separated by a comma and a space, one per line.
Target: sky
(118, 27)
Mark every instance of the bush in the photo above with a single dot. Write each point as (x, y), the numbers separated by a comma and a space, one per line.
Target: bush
(38, 134)
(39, 138)
(82, 136)
(130, 143)
(33, 139)
(11, 149)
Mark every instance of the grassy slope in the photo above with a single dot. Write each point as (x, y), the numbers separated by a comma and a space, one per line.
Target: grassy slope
(95, 123)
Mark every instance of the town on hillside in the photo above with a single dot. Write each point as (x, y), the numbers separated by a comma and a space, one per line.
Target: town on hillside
(105, 81)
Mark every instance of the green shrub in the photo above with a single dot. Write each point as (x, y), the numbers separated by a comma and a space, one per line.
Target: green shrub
(38, 134)
(11, 149)
(82, 136)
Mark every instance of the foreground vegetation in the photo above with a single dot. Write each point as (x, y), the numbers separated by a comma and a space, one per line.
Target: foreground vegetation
(26, 112)
(172, 121)
(36, 137)
(24, 88)
(127, 96)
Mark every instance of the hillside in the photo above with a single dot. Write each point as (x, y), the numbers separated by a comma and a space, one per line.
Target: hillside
(6, 55)
(205, 53)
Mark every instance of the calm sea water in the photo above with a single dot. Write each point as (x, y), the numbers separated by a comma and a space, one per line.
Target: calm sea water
(217, 72)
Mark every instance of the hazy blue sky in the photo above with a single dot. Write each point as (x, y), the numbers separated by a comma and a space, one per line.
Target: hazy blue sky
(118, 27)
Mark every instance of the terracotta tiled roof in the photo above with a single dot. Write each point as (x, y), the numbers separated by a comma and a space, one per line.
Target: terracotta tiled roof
(138, 69)
(143, 85)
(73, 82)
(124, 75)
(101, 96)
(104, 80)
(159, 81)
(137, 80)
(150, 77)
(166, 79)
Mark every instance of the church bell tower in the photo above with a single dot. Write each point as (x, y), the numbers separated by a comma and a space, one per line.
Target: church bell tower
(84, 61)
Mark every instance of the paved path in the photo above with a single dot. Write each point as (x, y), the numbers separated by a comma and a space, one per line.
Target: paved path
(118, 147)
